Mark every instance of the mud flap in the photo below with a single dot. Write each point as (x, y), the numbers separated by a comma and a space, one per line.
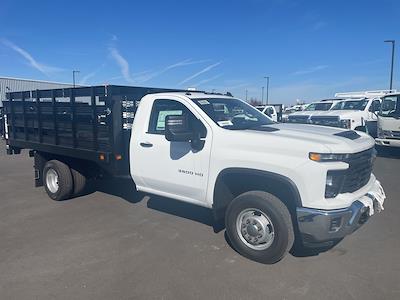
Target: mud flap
(39, 162)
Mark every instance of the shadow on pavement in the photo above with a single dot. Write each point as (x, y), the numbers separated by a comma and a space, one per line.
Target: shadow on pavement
(181, 209)
(388, 152)
(126, 190)
(301, 251)
(123, 188)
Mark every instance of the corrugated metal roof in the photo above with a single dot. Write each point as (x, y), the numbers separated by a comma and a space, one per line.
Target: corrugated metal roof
(8, 84)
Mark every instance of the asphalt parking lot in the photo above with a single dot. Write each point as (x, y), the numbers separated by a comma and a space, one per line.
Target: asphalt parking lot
(120, 245)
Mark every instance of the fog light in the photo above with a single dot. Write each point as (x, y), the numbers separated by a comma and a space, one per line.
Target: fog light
(336, 223)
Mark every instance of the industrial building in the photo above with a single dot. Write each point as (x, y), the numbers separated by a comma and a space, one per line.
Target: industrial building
(8, 84)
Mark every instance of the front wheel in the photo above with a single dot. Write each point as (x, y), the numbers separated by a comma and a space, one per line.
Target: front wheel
(259, 227)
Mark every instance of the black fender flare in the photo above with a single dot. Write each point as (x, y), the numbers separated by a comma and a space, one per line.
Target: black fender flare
(220, 203)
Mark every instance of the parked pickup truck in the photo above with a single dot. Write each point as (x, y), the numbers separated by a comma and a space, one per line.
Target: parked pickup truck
(356, 111)
(268, 183)
(273, 111)
(389, 121)
(312, 109)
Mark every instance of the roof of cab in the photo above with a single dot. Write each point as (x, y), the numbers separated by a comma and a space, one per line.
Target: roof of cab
(197, 95)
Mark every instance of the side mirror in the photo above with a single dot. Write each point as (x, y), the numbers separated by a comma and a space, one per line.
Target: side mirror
(177, 129)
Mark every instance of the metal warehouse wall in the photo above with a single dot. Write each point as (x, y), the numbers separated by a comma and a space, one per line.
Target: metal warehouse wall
(15, 85)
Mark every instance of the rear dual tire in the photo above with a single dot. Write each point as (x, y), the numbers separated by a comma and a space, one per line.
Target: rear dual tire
(58, 181)
(62, 182)
(80, 182)
(259, 227)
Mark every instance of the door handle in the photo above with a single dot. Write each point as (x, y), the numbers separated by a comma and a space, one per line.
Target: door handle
(146, 144)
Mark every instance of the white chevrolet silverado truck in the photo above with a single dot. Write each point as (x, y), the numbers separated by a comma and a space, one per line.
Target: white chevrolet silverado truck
(312, 109)
(355, 112)
(268, 183)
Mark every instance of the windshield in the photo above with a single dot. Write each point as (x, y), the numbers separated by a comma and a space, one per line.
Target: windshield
(390, 107)
(232, 114)
(319, 106)
(351, 105)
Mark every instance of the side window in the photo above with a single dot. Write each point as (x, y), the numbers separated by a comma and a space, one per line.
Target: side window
(269, 111)
(375, 106)
(163, 108)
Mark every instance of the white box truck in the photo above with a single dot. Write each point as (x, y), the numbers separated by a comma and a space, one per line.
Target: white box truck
(389, 121)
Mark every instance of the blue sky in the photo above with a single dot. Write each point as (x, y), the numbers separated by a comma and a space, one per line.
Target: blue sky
(310, 49)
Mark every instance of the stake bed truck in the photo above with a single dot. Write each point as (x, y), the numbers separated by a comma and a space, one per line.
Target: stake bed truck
(269, 183)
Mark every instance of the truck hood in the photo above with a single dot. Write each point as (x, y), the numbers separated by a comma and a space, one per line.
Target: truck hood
(308, 113)
(310, 138)
(343, 114)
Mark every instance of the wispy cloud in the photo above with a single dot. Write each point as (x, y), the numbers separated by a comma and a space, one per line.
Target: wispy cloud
(206, 69)
(122, 63)
(148, 75)
(90, 75)
(85, 78)
(206, 80)
(143, 76)
(310, 70)
(45, 69)
(370, 62)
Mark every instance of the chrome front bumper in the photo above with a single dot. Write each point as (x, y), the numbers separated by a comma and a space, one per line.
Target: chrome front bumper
(387, 142)
(318, 226)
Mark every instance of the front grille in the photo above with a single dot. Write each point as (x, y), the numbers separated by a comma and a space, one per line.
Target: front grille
(359, 171)
(332, 121)
(298, 119)
(395, 135)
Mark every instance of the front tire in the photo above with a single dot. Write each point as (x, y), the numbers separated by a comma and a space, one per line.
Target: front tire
(259, 227)
(57, 179)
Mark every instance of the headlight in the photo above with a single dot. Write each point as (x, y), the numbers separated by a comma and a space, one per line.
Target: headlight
(326, 157)
(334, 181)
(387, 133)
(346, 123)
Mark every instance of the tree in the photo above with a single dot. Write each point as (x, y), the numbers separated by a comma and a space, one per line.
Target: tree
(255, 102)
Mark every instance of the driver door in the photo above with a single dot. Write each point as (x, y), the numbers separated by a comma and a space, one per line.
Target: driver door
(172, 169)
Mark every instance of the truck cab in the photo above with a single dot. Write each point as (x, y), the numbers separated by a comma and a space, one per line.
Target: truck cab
(270, 111)
(389, 121)
(219, 152)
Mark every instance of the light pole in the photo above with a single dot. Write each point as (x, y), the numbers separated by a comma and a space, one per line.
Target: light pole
(246, 94)
(267, 81)
(262, 95)
(73, 77)
(391, 67)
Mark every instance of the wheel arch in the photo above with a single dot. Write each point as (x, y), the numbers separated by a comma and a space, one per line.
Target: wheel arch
(232, 182)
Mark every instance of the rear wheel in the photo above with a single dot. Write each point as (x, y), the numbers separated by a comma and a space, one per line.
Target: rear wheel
(259, 226)
(80, 182)
(58, 181)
